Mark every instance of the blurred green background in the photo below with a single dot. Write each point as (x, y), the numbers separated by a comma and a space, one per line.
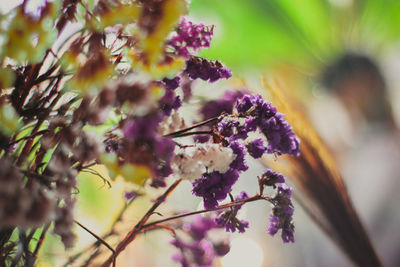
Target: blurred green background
(305, 35)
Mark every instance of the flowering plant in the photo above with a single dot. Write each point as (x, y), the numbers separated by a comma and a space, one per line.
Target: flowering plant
(112, 94)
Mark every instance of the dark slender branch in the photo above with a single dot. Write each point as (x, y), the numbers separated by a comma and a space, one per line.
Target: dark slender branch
(191, 133)
(27, 147)
(97, 243)
(178, 133)
(28, 137)
(40, 241)
(22, 248)
(158, 226)
(139, 226)
(96, 236)
(221, 207)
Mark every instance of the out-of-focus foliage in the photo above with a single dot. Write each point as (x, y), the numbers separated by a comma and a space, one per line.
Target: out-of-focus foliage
(305, 33)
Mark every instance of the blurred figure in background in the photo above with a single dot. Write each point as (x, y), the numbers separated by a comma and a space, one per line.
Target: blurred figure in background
(358, 83)
(369, 153)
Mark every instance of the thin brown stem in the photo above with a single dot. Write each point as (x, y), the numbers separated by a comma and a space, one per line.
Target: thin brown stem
(40, 241)
(191, 133)
(178, 133)
(221, 207)
(28, 137)
(139, 226)
(97, 243)
(95, 236)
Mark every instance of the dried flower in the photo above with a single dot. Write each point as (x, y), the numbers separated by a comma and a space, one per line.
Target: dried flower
(271, 178)
(229, 220)
(191, 162)
(191, 37)
(64, 223)
(206, 70)
(281, 217)
(226, 103)
(198, 250)
(256, 148)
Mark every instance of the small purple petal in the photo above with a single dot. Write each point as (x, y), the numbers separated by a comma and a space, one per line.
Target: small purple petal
(256, 148)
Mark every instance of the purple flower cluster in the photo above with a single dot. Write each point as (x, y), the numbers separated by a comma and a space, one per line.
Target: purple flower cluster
(281, 217)
(229, 220)
(206, 70)
(170, 101)
(171, 84)
(216, 107)
(262, 115)
(271, 178)
(256, 148)
(191, 37)
(216, 186)
(198, 251)
(143, 145)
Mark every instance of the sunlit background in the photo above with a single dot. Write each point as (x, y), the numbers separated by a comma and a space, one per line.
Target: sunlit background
(299, 44)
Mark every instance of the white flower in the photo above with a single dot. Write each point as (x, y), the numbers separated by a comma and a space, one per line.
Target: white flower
(172, 123)
(191, 162)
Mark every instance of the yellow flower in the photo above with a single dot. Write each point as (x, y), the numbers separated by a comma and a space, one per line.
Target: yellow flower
(149, 55)
(167, 68)
(120, 14)
(8, 119)
(153, 43)
(7, 78)
(92, 76)
(27, 38)
(134, 173)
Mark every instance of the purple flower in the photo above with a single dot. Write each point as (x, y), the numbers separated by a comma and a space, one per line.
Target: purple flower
(288, 234)
(222, 248)
(281, 138)
(141, 127)
(201, 138)
(200, 226)
(164, 151)
(191, 37)
(144, 145)
(131, 195)
(281, 217)
(229, 220)
(169, 102)
(171, 84)
(250, 124)
(271, 178)
(240, 151)
(199, 251)
(216, 107)
(257, 107)
(206, 70)
(226, 128)
(215, 186)
(10, 149)
(279, 133)
(111, 145)
(256, 148)
(232, 223)
(241, 133)
(274, 225)
(245, 103)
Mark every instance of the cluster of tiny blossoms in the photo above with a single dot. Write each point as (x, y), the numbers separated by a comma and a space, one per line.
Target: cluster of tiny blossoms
(198, 249)
(130, 70)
